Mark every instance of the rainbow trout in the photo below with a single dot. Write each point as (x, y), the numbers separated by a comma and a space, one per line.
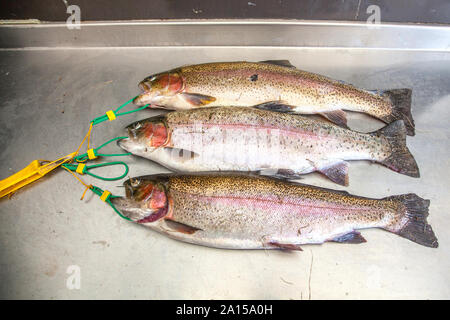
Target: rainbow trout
(261, 141)
(243, 212)
(274, 85)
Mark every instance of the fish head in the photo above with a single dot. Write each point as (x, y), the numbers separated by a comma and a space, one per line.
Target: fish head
(145, 200)
(145, 136)
(159, 88)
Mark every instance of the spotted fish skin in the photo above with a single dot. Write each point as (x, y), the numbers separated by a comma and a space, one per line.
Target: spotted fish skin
(248, 84)
(247, 139)
(242, 212)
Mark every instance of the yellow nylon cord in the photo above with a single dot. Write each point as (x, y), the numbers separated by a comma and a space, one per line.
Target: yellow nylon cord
(91, 154)
(37, 169)
(111, 115)
(80, 168)
(82, 182)
(105, 195)
(88, 137)
(34, 171)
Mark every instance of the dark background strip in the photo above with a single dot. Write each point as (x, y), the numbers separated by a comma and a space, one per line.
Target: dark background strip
(415, 11)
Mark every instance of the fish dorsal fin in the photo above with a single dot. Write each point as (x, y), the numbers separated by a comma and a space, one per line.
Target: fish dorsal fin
(343, 192)
(351, 237)
(180, 227)
(337, 172)
(283, 63)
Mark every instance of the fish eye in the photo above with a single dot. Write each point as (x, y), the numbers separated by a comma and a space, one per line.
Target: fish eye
(134, 182)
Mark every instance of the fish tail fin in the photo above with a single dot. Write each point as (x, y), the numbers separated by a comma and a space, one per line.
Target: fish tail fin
(400, 160)
(401, 108)
(413, 223)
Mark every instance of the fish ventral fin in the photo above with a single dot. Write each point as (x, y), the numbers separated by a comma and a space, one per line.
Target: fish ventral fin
(337, 173)
(285, 246)
(278, 106)
(416, 228)
(338, 117)
(196, 99)
(180, 227)
(283, 63)
(400, 159)
(401, 108)
(284, 174)
(351, 237)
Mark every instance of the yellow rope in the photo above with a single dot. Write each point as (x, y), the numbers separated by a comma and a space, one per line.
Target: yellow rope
(80, 168)
(105, 195)
(82, 182)
(111, 115)
(88, 137)
(91, 154)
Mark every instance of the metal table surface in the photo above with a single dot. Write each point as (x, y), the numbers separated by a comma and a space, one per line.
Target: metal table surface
(48, 97)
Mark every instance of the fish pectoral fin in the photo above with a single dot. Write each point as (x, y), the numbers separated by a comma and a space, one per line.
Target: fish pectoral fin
(338, 117)
(197, 99)
(351, 237)
(180, 227)
(181, 155)
(283, 63)
(337, 172)
(278, 106)
(285, 246)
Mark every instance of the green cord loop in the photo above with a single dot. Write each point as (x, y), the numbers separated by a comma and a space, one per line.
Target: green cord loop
(87, 168)
(80, 159)
(116, 112)
(84, 158)
(99, 192)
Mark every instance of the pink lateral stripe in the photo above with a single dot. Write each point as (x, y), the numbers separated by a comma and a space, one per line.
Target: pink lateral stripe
(287, 204)
(289, 132)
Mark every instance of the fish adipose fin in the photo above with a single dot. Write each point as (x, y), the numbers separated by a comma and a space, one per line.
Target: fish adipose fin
(416, 228)
(274, 106)
(401, 102)
(400, 159)
(337, 117)
(337, 173)
(283, 63)
(197, 99)
(180, 227)
(285, 246)
(351, 237)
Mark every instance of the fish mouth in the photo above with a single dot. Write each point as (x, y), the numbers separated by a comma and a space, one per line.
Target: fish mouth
(130, 210)
(130, 145)
(123, 206)
(119, 202)
(122, 142)
(140, 100)
(125, 144)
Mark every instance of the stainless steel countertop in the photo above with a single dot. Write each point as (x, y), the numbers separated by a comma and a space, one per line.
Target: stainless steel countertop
(48, 97)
